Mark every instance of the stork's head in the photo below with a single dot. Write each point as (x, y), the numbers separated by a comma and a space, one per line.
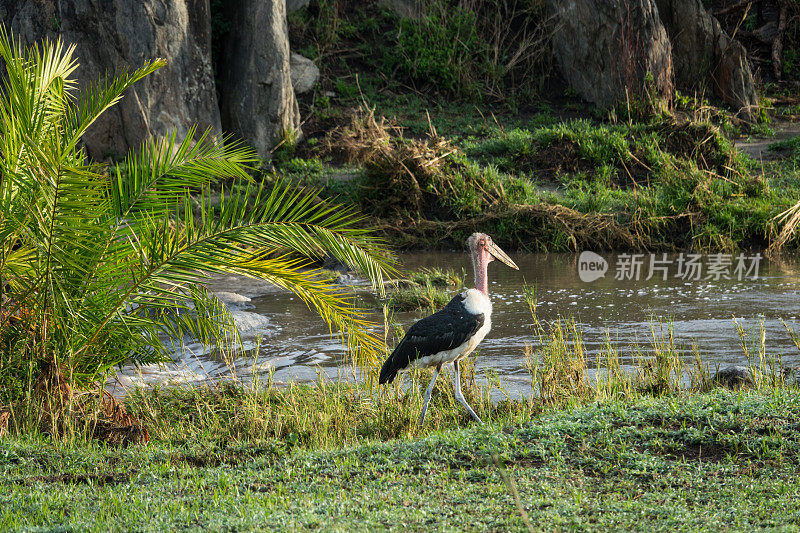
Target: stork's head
(483, 250)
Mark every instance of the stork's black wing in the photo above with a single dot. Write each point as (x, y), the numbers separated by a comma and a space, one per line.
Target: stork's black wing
(446, 329)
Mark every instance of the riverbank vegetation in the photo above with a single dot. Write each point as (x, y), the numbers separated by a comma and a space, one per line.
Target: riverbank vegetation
(541, 171)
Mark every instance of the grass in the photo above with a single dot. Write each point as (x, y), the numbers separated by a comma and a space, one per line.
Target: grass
(429, 289)
(790, 145)
(597, 446)
(553, 185)
(723, 460)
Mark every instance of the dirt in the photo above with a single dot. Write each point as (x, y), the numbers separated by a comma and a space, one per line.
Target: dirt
(758, 148)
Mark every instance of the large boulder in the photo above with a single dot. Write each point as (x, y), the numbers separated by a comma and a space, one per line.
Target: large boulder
(612, 50)
(304, 73)
(113, 35)
(704, 56)
(258, 102)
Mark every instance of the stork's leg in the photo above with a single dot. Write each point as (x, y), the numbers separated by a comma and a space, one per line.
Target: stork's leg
(428, 393)
(459, 395)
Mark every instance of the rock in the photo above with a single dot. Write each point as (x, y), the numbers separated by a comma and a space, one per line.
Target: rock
(300, 373)
(345, 176)
(119, 34)
(734, 377)
(701, 50)
(767, 32)
(609, 51)
(294, 5)
(250, 324)
(234, 299)
(258, 102)
(346, 279)
(304, 73)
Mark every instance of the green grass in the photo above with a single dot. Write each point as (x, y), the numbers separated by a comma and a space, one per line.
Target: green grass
(722, 460)
(564, 185)
(637, 450)
(428, 288)
(791, 145)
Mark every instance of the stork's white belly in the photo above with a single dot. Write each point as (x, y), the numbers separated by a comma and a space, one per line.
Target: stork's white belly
(475, 303)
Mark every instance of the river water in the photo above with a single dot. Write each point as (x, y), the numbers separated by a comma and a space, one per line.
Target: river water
(690, 293)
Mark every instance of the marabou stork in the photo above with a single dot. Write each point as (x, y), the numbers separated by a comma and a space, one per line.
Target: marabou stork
(452, 333)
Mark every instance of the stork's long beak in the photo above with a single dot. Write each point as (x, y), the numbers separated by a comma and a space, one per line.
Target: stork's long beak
(501, 255)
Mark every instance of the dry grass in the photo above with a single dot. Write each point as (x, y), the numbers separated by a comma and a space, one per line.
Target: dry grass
(66, 414)
(321, 414)
(403, 174)
(597, 231)
(790, 220)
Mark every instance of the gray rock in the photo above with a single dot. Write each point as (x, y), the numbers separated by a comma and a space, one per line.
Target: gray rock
(250, 324)
(304, 73)
(119, 34)
(606, 49)
(346, 279)
(734, 377)
(767, 32)
(701, 50)
(234, 299)
(344, 176)
(294, 5)
(300, 373)
(258, 102)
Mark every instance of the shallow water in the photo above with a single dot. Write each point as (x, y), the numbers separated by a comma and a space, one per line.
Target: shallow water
(295, 345)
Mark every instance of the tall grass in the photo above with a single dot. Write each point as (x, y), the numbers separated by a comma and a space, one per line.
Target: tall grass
(323, 414)
(330, 413)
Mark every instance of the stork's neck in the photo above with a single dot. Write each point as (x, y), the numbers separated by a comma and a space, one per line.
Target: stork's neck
(480, 264)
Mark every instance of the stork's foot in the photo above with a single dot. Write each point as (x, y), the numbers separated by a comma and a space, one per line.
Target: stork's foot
(460, 395)
(475, 417)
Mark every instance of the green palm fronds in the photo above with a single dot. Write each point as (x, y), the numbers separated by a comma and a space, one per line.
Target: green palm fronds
(99, 263)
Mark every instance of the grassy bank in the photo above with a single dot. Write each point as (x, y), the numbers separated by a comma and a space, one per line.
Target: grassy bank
(434, 143)
(554, 184)
(649, 446)
(719, 460)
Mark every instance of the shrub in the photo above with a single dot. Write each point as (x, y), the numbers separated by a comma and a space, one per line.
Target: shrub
(100, 262)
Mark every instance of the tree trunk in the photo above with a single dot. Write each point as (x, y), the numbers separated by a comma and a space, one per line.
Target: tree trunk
(610, 50)
(121, 34)
(705, 56)
(258, 102)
